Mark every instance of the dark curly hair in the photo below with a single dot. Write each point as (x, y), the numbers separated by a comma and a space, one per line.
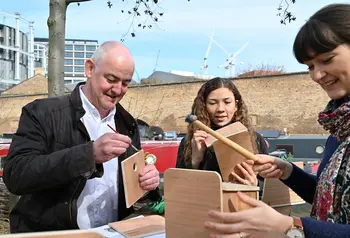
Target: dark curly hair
(199, 109)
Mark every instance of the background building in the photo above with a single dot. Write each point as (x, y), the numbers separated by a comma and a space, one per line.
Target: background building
(75, 54)
(16, 51)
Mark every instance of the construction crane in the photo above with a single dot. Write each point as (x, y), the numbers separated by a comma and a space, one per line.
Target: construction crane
(156, 64)
(230, 63)
(204, 67)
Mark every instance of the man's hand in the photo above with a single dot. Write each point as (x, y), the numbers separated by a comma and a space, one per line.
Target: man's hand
(109, 146)
(149, 177)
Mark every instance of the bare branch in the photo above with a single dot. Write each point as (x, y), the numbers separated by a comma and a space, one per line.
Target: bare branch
(143, 14)
(72, 1)
(284, 13)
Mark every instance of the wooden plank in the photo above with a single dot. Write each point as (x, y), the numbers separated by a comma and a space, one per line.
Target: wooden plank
(57, 234)
(226, 156)
(189, 195)
(232, 203)
(140, 227)
(277, 194)
(131, 168)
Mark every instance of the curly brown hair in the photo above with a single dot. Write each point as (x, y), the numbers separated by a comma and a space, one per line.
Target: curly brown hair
(199, 109)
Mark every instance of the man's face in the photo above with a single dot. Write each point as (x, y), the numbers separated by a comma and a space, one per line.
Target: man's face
(109, 78)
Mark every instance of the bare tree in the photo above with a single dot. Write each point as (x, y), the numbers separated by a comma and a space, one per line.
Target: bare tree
(148, 9)
(262, 69)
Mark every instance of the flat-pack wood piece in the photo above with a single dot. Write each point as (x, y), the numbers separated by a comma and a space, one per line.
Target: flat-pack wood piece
(131, 168)
(230, 200)
(140, 227)
(277, 194)
(227, 157)
(57, 234)
(188, 196)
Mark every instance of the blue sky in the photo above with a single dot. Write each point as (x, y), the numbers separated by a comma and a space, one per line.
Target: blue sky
(181, 35)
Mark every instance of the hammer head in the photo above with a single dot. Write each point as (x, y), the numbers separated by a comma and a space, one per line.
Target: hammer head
(190, 118)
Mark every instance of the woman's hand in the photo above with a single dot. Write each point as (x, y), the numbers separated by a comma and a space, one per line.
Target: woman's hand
(249, 176)
(258, 220)
(272, 167)
(198, 147)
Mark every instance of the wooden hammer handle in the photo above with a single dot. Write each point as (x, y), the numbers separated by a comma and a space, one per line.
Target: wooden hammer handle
(233, 145)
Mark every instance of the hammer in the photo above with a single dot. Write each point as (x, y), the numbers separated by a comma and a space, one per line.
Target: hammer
(246, 153)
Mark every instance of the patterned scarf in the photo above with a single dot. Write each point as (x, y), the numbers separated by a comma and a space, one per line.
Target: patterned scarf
(332, 198)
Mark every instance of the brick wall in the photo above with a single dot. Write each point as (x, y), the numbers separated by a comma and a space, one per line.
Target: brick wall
(289, 101)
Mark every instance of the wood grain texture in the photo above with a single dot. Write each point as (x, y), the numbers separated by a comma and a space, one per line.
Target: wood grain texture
(140, 227)
(227, 157)
(131, 168)
(277, 194)
(189, 195)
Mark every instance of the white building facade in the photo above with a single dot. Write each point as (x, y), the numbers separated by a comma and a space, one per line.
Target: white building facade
(76, 52)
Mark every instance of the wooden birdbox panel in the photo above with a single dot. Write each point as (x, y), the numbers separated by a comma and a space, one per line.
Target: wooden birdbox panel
(190, 194)
(227, 157)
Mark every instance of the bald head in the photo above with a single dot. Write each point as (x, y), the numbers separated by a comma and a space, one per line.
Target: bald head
(108, 73)
(116, 50)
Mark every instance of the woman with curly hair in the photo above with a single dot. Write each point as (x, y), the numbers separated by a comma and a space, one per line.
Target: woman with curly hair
(217, 104)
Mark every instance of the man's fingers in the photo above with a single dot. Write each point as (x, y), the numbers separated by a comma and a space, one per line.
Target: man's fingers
(149, 168)
(120, 137)
(150, 184)
(117, 151)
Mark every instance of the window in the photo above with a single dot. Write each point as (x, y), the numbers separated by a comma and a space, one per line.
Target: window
(79, 62)
(68, 68)
(68, 47)
(79, 54)
(79, 47)
(68, 54)
(79, 69)
(68, 62)
(90, 48)
(89, 55)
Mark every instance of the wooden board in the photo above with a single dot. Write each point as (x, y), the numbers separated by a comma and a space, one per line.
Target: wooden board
(227, 157)
(57, 234)
(277, 194)
(188, 196)
(131, 168)
(140, 227)
(230, 200)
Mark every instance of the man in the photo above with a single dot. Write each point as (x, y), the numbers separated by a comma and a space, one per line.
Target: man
(64, 160)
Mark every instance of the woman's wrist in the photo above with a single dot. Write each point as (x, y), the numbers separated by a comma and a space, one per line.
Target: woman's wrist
(285, 224)
(287, 171)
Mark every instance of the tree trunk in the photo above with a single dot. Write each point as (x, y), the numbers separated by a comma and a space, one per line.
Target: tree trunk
(57, 31)
(57, 34)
